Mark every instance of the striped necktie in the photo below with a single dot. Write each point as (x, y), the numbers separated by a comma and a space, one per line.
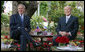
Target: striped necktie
(21, 18)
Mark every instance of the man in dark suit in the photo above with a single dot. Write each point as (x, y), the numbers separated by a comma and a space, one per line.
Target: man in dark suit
(67, 26)
(20, 28)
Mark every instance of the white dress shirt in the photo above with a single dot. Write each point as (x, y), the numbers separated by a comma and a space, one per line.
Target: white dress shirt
(67, 18)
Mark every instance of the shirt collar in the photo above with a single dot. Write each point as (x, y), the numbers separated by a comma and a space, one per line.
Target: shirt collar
(68, 16)
(22, 14)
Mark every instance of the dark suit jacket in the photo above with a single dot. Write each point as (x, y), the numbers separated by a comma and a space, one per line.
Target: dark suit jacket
(15, 23)
(71, 26)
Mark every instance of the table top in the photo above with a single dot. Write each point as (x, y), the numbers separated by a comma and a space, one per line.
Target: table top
(42, 35)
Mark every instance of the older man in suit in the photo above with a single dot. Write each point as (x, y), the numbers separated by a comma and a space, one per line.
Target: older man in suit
(67, 26)
(20, 28)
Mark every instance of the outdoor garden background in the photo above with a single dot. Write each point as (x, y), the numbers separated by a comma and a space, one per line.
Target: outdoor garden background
(44, 16)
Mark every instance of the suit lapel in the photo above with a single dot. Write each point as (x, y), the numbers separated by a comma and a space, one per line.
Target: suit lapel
(24, 19)
(19, 18)
(64, 20)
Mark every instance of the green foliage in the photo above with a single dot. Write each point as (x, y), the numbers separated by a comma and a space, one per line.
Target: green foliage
(80, 16)
(2, 2)
(4, 33)
(4, 19)
(56, 10)
(36, 21)
(43, 8)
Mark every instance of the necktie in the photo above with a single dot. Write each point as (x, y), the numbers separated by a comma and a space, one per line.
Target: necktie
(22, 21)
(21, 18)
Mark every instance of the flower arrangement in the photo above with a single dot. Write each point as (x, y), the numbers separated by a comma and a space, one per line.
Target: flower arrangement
(49, 39)
(62, 39)
(45, 45)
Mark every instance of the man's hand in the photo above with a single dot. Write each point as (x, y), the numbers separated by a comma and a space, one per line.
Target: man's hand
(68, 33)
(63, 33)
(26, 29)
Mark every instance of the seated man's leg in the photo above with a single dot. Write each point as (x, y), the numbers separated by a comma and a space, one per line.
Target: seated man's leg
(22, 43)
(28, 37)
(54, 42)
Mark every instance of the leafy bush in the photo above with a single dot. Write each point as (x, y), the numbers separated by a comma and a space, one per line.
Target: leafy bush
(36, 21)
(4, 33)
(4, 19)
(2, 2)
